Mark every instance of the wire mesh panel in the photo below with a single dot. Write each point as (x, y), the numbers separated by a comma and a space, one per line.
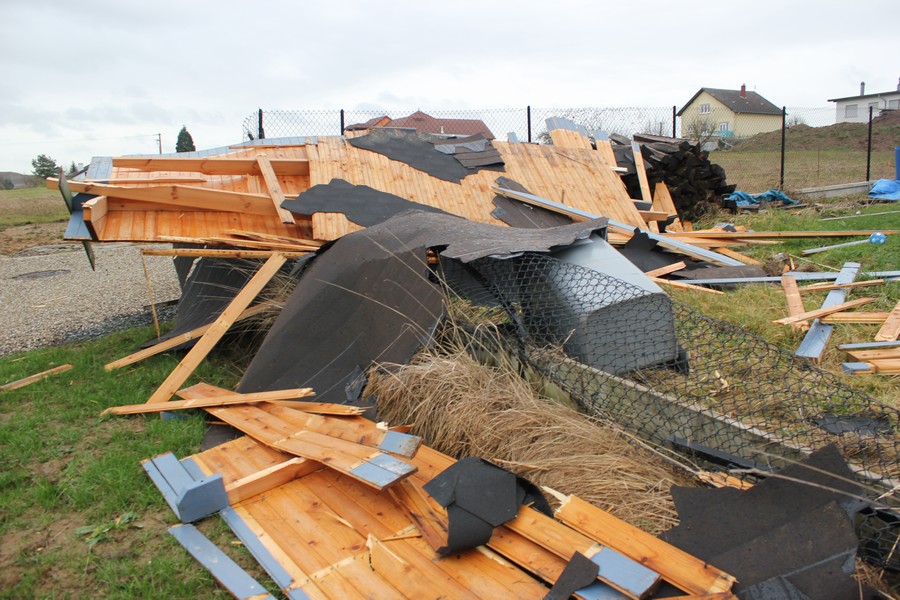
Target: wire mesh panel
(697, 385)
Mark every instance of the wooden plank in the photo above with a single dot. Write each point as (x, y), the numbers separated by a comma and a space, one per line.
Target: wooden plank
(294, 247)
(214, 166)
(414, 581)
(219, 253)
(94, 211)
(20, 383)
(663, 198)
(651, 216)
(666, 270)
(641, 169)
(675, 566)
(856, 317)
(882, 353)
(178, 340)
(681, 285)
(227, 572)
(825, 287)
(271, 179)
(215, 332)
(725, 235)
(268, 237)
(269, 478)
(135, 409)
(820, 312)
(794, 301)
(890, 331)
(747, 260)
(180, 197)
(886, 366)
(431, 524)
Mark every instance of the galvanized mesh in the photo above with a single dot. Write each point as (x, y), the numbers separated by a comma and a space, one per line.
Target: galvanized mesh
(705, 388)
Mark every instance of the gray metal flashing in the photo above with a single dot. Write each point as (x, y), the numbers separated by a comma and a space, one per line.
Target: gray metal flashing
(819, 333)
(695, 250)
(853, 367)
(227, 572)
(625, 573)
(262, 555)
(400, 443)
(869, 345)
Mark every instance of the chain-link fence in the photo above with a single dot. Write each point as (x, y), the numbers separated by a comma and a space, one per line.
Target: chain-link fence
(792, 149)
(701, 387)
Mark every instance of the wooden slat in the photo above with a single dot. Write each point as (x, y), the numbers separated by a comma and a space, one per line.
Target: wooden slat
(666, 270)
(641, 169)
(20, 383)
(794, 301)
(215, 332)
(134, 409)
(663, 199)
(94, 211)
(821, 312)
(747, 260)
(882, 354)
(676, 566)
(824, 287)
(856, 317)
(269, 478)
(415, 503)
(687, 286)
(180, 339)
(180, 197)
(218, 253)
(267, 237)
(215, 166)
(271, 179)
(890, 331)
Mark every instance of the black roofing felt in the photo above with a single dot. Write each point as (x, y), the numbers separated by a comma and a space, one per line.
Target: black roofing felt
(368, 298)
(418, 151)
(361, 204)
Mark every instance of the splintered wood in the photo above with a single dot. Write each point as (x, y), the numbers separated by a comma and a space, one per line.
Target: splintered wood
(336, 535)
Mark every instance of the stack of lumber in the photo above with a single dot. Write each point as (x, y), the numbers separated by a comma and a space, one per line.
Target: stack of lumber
(300, 494)
(685, 168)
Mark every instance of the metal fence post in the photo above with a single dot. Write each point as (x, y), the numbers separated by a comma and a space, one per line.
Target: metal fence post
(260, 132)
(674, 114)
(528, 113)
(342, 121)
(783, 135)
(869, 147)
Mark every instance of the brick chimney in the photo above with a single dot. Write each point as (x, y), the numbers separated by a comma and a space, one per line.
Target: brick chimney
(743, 90)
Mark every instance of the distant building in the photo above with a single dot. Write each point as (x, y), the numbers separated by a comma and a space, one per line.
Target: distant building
(714, 113)
(855, 109)
(425, 123)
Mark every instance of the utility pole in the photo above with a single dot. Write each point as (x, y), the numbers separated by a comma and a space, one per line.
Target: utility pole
(159, 141)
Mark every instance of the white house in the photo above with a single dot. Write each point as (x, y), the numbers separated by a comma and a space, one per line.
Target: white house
(855, 109)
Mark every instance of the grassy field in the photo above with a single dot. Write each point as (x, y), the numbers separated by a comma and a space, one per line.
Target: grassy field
(25, 206)
(79, 517)
(756, 171)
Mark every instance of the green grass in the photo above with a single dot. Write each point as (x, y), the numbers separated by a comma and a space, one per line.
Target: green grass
(78, 516)
(25, 206)
(756, 171)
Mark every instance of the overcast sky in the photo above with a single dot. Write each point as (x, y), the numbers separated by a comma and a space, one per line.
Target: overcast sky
(93, 78)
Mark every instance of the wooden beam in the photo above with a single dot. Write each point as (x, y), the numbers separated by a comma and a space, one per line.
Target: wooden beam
(214, 166)
(20, 383)
(747, 260)
(271, 179)
(178, 340)
(821, 312)
(794, 301)
(890, 331)
(641, 169)
(136, 409)
(219, 253)
(856, 317)
(666, 270)
(681, 285)
(883, 354)
(824, 287)
(215, 332)
(270, 478)
(180, 197)
(268, 237)
(663, 199)
(676, 566)
(94, 211)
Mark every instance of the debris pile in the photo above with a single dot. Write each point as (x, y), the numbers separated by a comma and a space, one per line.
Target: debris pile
(378, 235)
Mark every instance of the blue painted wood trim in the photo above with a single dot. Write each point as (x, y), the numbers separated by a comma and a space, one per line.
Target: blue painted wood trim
(227, 572)
(819, 333)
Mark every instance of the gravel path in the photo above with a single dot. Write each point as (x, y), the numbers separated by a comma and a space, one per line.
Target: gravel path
(49, 295)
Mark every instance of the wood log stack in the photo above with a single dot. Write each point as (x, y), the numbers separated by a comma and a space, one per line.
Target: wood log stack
(694, 182)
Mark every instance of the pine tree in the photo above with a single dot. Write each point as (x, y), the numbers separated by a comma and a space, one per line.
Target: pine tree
(184, 143)
(73, 170)
(44, 167)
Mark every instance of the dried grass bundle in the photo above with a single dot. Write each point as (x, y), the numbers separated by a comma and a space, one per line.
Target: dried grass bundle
(464, 408)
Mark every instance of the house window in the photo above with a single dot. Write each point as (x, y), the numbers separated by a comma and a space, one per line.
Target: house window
(850, 111)
(704, 109)
(723, 126)
(894, 104)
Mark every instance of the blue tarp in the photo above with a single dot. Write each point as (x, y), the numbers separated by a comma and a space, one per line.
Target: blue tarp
(885, 189)
(744, 199)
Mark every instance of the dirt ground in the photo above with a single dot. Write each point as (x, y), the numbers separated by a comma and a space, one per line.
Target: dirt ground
(18, 238)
